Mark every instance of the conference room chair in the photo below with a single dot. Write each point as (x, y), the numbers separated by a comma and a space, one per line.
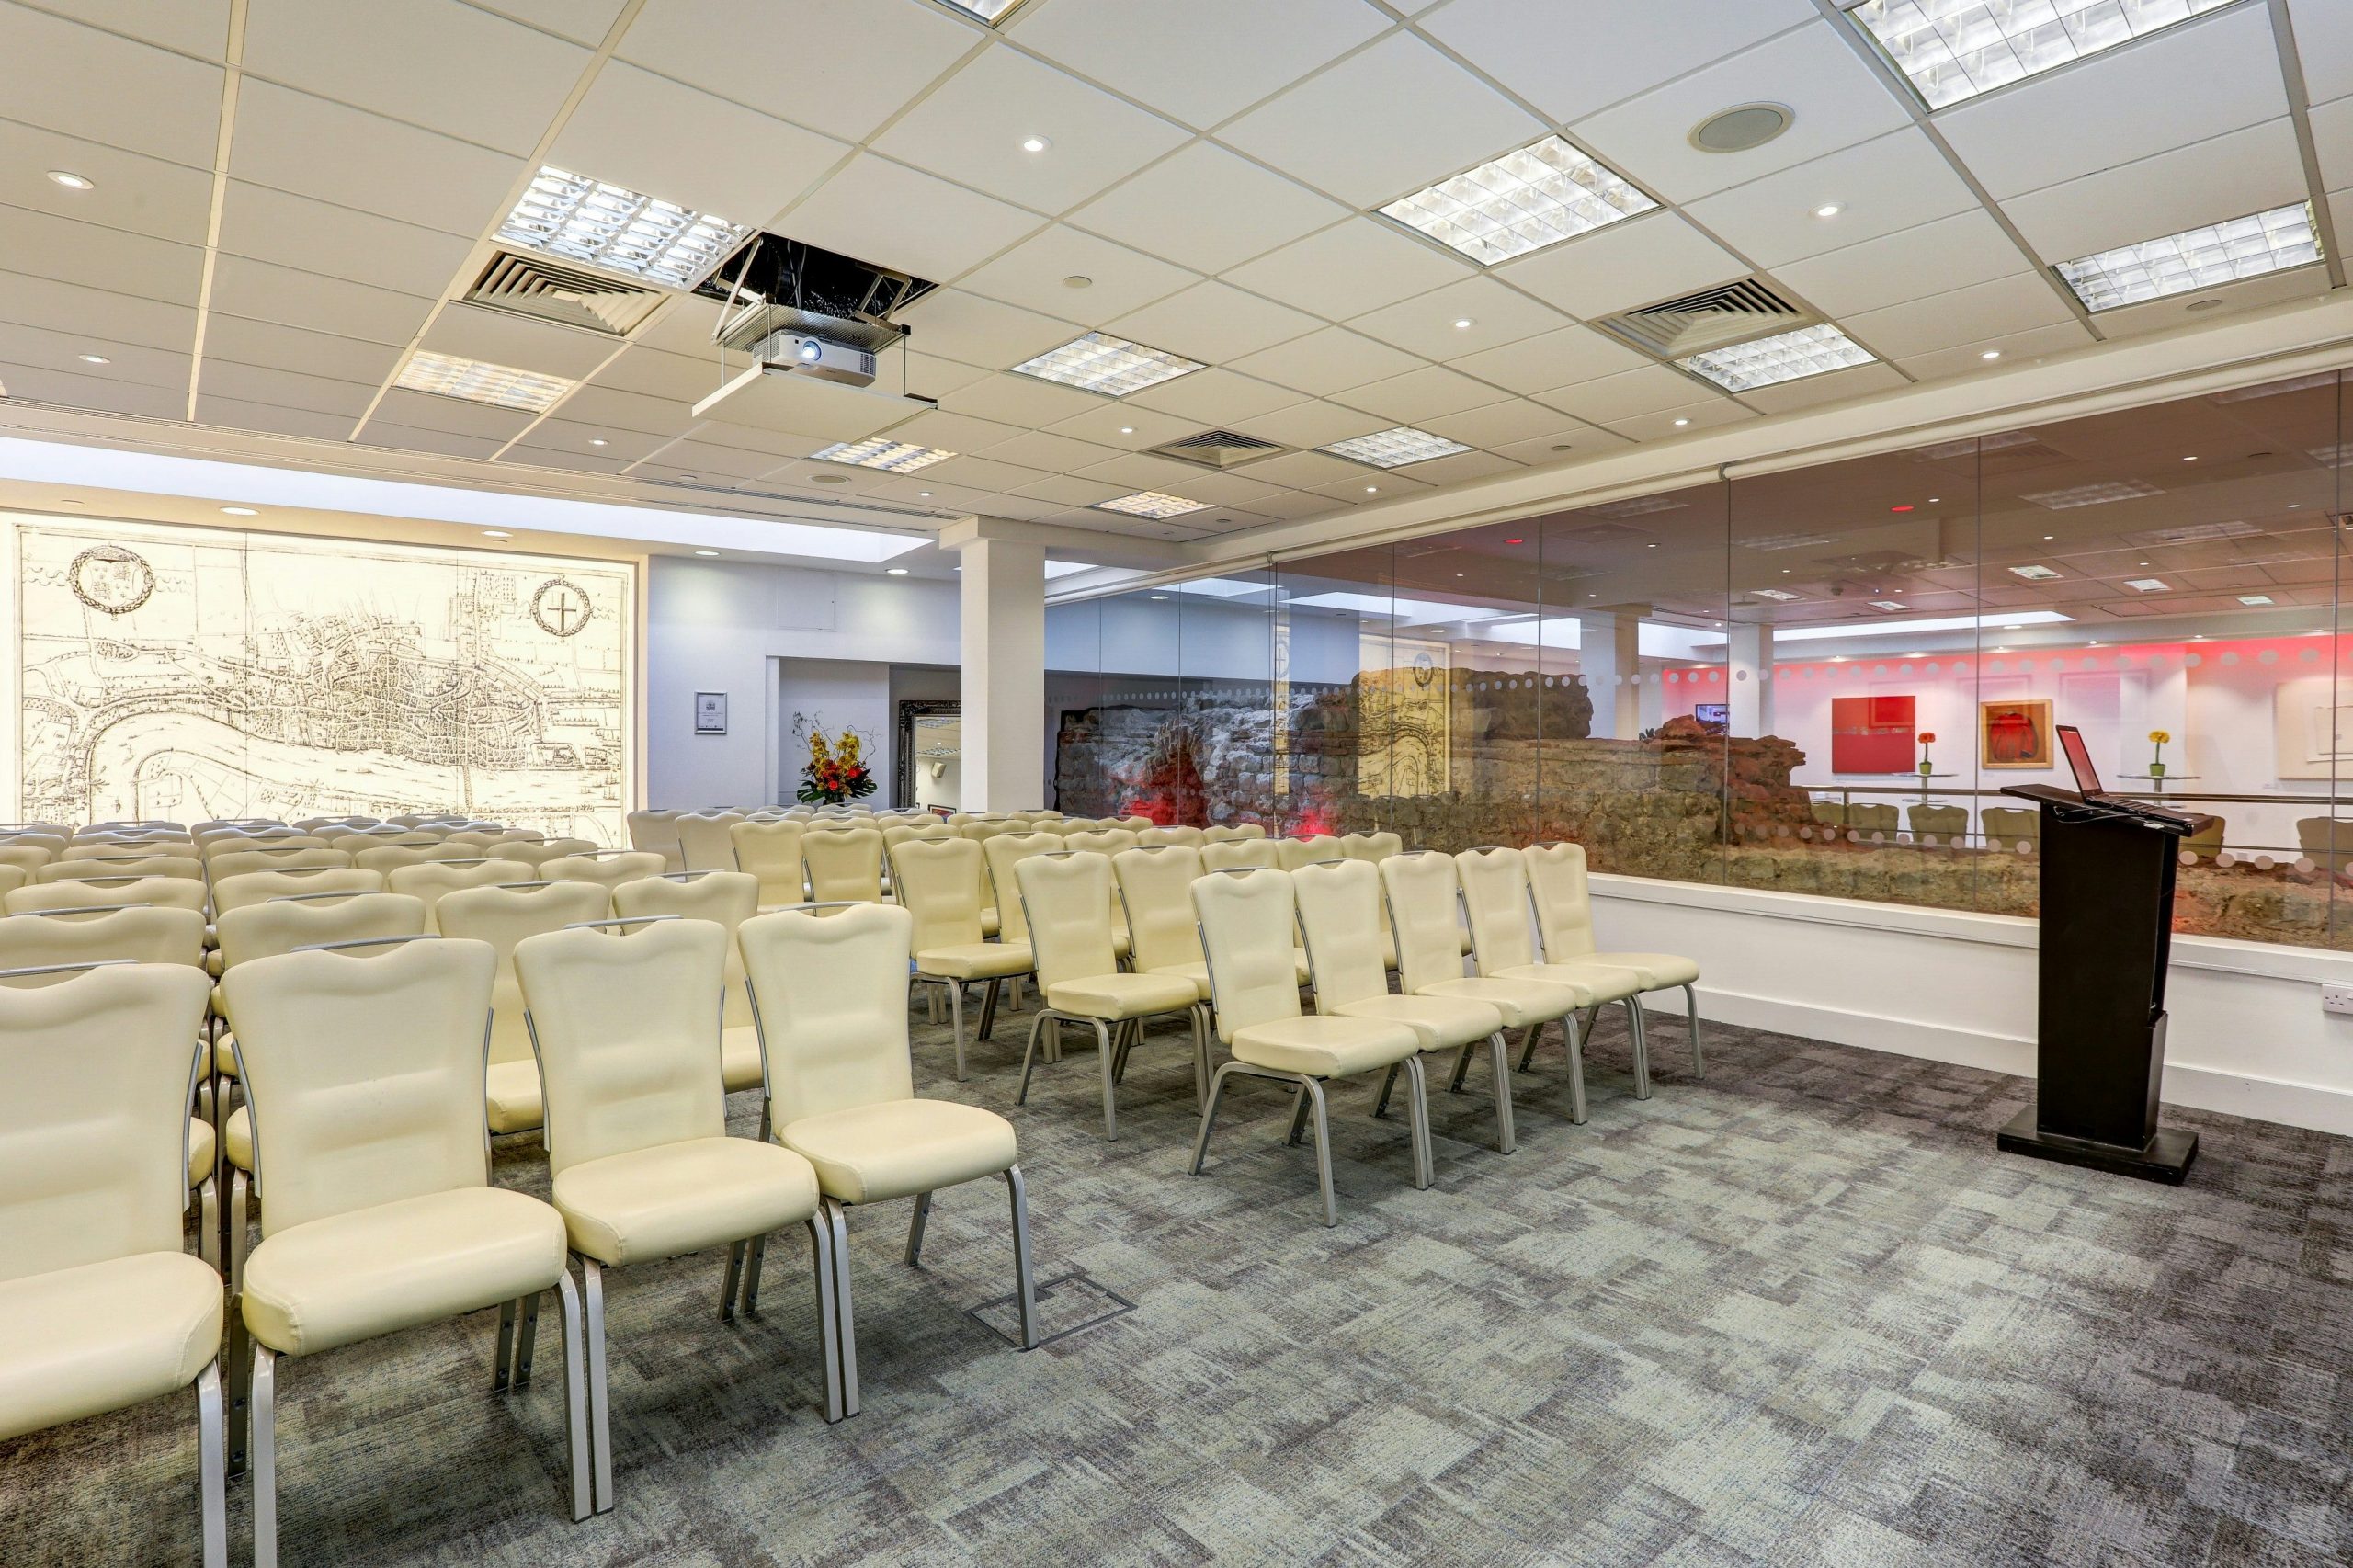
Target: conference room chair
(222, 866)
(115, 848)
(1000, 854)
(168, 892)
(1133, 823)
(100, 1309)
(26, 857)
(1371, 847)
(129, 825)
(1101, 840)
(2011, 828)
(1231, 832)
(1240, 854)
(841, 1076)
(502, 917)
(1421, 893)
(13, 878)
(771, 852)
(252, 887)
(186, 866)
(843, 867)
(937, 883)
(1495, 903)
(1341, 916)
(1064, 899)
(726, 899)
(1938, 824)
(623, 1024)
(398, 1182)
(1191, 837)
(1873, 819)
(429, 819)
(704, 843)
(1561, 896)
(539, 853)
(656, 832)
(1247, 919)
(1155, 902)
(1290, 854)
(608, 869)
(349, 820)
(436, 879)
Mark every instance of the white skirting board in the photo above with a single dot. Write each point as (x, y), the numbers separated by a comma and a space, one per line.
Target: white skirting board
(2246, 1034)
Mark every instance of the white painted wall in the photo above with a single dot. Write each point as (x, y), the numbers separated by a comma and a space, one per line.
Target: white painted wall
(2246, 1034)
(834, 695)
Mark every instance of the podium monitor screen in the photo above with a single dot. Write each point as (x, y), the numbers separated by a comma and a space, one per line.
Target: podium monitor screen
(2079, 759)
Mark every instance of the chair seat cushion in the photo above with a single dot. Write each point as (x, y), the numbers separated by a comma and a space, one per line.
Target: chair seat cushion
(83, 1341)
(513, 1090)
(680, 1197)
(1441, 1022)
(1659, 971)
(990, 926)
(202, 1154)
(739, 1057)
(1323, 1046)
(237, 1139)
(374, 1271)
(1115, 996)
(1194, 974)
(1598, 983)
(975, 960)
(871, 1152)
(1521, 1002)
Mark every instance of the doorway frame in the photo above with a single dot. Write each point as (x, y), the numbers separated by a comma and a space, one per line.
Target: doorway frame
(910, 709)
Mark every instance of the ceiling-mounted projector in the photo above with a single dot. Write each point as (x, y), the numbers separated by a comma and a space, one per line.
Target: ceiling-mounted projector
(798, 350)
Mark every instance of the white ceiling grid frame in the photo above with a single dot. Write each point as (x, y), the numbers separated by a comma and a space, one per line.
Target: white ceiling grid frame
(233, 55)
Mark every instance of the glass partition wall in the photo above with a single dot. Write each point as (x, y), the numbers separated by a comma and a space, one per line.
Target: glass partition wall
(1818, 680)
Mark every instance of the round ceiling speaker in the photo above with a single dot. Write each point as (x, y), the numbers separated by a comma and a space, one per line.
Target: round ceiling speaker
(1743, 126)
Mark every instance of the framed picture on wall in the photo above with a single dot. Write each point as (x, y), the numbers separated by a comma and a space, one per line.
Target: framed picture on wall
(2016, 734)
(1872, 734)
(710, 712)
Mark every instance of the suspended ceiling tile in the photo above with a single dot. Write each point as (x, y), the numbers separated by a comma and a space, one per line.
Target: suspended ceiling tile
(1048, 452)
(1127, 427)
(41, 383)
(1542, 451)
(2245, 171)
(621, 446)
(1371, 485)
(627, 411)
(583, 21)
(288, 388)
(1207, 210)
(297, 348)
(653, 135)
(971, 330)
(523, 454)
(1418, 394)
(1632, 262)
(338, 241)
(142, 194)
(2123, 105)
(2023, 302)
(980, 474)
(502, 337)
(1215, 396)
(1571, 57)
(1460, 319)
(1626, 395)
(62, 351)
(200, 28)
(312, 147)
(1501, 424)
(1179, 56)
(1213, 323)
(1023, 401)
(69, 308)
(2324, 30)
(954, 432)
(237, 413)
(1935, 258)
(1881, 186)
(2332, 126)
(1328, 360)
(423, 438)
(1136, 472)
(1307, 425)
(1036, 275)
(1812, 391)
(1071, 491)
(263, 291)
(1462, 468)
(1354, 267)
(2160, 315)
(1661, 424)
(890, 215)
(427, 411)
(687, 378)
(1551, 360)
(79, 81)
(108, 259)
(2015, 349)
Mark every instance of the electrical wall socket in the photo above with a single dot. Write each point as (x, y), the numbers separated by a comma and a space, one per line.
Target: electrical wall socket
(2337, 999)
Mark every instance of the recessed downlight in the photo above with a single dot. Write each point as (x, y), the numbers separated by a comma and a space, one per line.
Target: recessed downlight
(70, 180)
(239, 512)
(1464, 323)
(1078, 281)
(94, 359)
(1740, 127)
(1681, 423)
(894, 570)
(705, 552)
(1990, 354)
(1035, 143)
(596, 440)
(1828, 210)
(496, 533)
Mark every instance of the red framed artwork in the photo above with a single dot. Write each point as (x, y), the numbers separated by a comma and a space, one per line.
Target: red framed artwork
(1871, 734)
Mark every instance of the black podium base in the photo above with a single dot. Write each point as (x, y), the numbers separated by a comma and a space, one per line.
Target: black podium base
(2166, 1159)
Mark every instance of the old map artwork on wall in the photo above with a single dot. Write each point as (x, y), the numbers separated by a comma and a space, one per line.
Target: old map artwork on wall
(191, 674)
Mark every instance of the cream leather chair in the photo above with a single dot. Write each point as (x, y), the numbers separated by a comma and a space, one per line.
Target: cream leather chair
(1231, 832)
(1423, 896)
(252, 887)
(726, 899)
(112, 849)
(11, 877)
(770, 851)
(628, 1046)
(841, 1077)
(380, 1213)
(608, 869)
(1191, 837)
(220, 868)
(1100, 841)
(100, 1308)
(106, 892)
(704, 841)
(25, 858)
(843, 867)
(186, 866)
(502, 917)
(1155, 890)
(1562, 900)
(539, 853)
(937, 883)
(1240, 854)
(1000, 854)
(1133, 825)
(1495, 907)
(1373, 847)
(1247, 918)
(1340, 921)
(1063, 899)
(1290, 854)
(436, 879)
(658, 833)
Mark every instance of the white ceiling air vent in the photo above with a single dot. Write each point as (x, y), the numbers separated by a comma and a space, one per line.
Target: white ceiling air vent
(1729, 312)
(1217, 449)
(534, 285)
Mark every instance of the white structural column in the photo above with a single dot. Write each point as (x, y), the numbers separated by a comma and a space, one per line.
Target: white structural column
(1003, 637)
(1751, 698)
(1610, 657)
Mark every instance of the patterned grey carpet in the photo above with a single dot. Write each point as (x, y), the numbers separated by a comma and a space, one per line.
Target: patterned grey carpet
(1800, 1314)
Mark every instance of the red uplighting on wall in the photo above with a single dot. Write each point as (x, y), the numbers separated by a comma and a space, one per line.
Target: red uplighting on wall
(1515, 542)
(1899, 508)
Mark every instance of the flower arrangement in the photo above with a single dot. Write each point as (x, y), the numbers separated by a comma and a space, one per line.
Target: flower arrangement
(2158, 738)
(837, 771)
(1928, 739)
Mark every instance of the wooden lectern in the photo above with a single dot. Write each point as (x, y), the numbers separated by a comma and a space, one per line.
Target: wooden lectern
(2108, 879)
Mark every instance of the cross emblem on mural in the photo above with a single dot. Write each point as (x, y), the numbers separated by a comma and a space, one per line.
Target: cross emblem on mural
(561, 607)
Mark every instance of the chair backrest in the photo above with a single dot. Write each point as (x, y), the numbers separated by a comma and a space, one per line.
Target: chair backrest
(35, 838)
(276, 839)
(539, 853)
(1247, 921)
(502, 917)
(1938, 819)
(389, 857)
(1877, 816)
(1102, 841)
(132, 935)
(608, 871)
(252, 887)
(938, 880)
(162, 893)
(93, 1128)
(1231, 832)
(186, 866)
(26, 857)
(844, 1043)
(844, 867)
(984, 828)
(1372, 847)
(436, 879)
(12, 878)
(363, 1074)
(1562, 900)
(1192, 838)
(115, 848)
(1065, 904)
(899, 833)
(656, 832)
(1421, 893)
(771, 852)
(726, 899)
(1292, 853)
(705, 842)
(1239, 854)
(240, 862)
(281, 925)
(1003, 852)
(1339, 923)
(313, 824)
(627, 1025)
(1494, 903)
(1155, 890)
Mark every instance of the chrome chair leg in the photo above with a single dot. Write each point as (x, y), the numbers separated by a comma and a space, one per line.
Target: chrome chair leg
(1691, 1011)
(1199, 1022)
(1110, 1081)
(1417, 1113)
(956, 1017)
(1641, 1048)
(1527, 1041)
(1461, 1068)
(1298, 1115)
(1388, 1082)
(263, 1385)
(504, 1358)
(1028, 1292)
(577, 1441)
(1498, 1064)
(1576, 1028)
(208, 1222)
(731, 1281)
(829, 1347)
(915, 1230)
(1030, 1051)
(836, 1218)
(989, 994)
(1208, 1117)
(240, 1411)
(211, 1466)
(755, 1252)
(527, 1341)
(240, 1185)
(600, 1422)
(1314, 1096)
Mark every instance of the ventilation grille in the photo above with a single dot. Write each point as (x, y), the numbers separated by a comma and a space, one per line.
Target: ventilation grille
(1730, 313)
(1217, 449)
(530, 286)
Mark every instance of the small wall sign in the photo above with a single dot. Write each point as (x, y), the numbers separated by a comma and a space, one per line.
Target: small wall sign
(710, 712)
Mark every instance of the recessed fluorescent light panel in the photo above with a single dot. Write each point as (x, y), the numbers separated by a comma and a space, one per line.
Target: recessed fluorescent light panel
(1886, 604)
(1395, 447)
(1782, 594)
(618, 229)
(878, 451)
(990, 11)
(1112, 365)
(1786, 357)
(477, 381)
(2195, 258)
(2014, 620)
(2145, 584)
(2098, 494)
(1538, 195)
(2035, 574)
(1151, 503)
(2255, 598)
(1954, 50)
